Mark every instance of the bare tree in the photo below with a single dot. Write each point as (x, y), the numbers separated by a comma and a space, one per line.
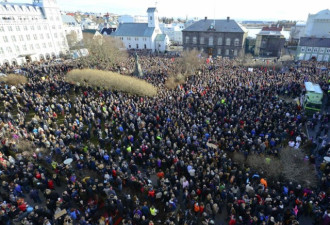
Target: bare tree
(105, 52)
(72, 38)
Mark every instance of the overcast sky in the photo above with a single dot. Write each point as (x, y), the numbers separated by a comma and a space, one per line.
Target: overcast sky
(236, 9)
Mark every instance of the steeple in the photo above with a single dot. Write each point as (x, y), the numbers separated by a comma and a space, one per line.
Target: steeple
(153, 17)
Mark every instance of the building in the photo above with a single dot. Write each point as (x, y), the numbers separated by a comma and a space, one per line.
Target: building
(132, 19)
(215, 37)
(317, 48)
(315, 44)
(173, 31)
(297, 31)
(270, 42)
(140, 36)
(72, 29)
(318, 25)
(30, 32)
(88, 24)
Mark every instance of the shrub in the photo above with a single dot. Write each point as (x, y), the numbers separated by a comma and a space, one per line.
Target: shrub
(290, 166)
(112, 81)
(173, 81)
(14, 79)
(296, 169)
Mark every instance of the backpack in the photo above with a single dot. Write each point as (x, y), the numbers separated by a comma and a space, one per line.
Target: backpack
(137, 216)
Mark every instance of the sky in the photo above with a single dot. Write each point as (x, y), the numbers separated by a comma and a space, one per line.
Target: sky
(235, 9)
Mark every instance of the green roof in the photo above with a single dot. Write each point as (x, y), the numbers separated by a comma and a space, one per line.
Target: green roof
(160, 37)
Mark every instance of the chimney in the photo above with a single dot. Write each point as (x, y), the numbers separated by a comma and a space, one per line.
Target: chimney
(228, 18)
(205, 18)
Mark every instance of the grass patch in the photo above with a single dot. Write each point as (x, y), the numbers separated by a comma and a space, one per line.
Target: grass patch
(14, 79)
(112, 81)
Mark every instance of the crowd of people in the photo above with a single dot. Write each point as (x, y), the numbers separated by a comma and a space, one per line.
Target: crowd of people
(77, 155)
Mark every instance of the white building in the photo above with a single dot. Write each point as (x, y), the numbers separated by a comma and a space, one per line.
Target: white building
(297, 31)
(174, 31)
(132, 19)
(318, 25)
(143, 35)
(88, 24)
(71, 26)
(30, 32)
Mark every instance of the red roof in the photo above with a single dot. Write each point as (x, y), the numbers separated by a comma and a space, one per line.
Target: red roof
(272, 28)
(70, 14)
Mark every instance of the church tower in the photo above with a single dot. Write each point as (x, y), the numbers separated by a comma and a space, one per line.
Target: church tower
(153, 17)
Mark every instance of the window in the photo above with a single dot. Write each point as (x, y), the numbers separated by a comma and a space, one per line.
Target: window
(53, 27)
(236, 42)
(328, 50)
(187, 39)
(136, 39)
(37, 46)
(194, 40)
(25, 28)
(309, 49)
(302, 49)
(17, 48)
(44, 45)
(210, 40)
(28, 37)
(321, 50)
(227, 51)
(49, 44)
(17, 28)
(201, 40)
(24, 48)
(128, 38)
(9, 49)
(55, 35)
(32, 27)
(10, 28)
(13, 38)
(31, 47)
(48, 36)
(235, 52)
(21, 38)
(150, 17)
(145, 46)
(220, 41)
(1, 51)
(129, 46)
(137, 46)
(228, 41)
(144, 39)
(5, 39)
(35, 37)
(219, 51)
(315, 50)
(39, 27)
(2, 29)
(41, 36)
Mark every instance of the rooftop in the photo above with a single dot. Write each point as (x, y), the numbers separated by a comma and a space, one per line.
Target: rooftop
(134, 30)
(220, 26)
(314, 42)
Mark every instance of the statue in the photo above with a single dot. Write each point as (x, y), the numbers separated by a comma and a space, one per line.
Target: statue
(138, 71)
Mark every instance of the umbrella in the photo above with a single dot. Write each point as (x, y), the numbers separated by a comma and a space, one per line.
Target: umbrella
(68, 161)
